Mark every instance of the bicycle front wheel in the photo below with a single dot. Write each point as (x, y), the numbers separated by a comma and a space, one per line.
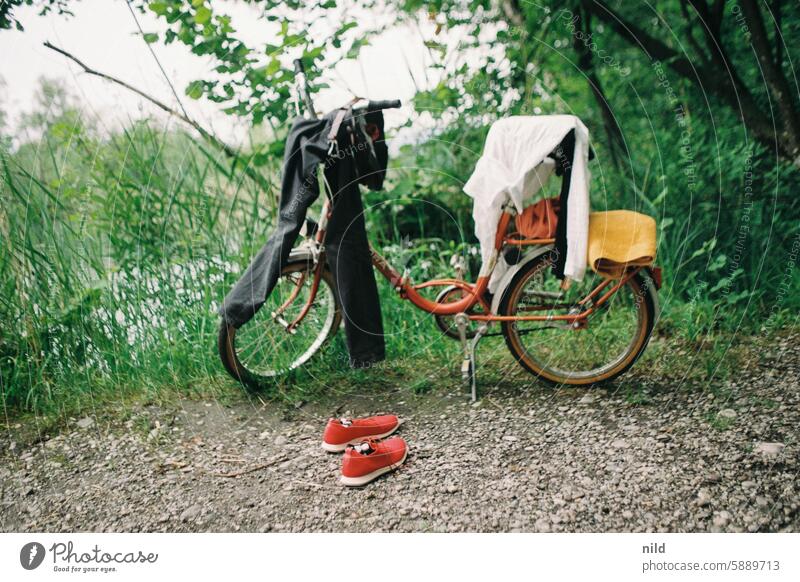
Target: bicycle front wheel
(606, 346)
(265, 347)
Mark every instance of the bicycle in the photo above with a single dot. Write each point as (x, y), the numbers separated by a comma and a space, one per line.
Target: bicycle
(604, 324)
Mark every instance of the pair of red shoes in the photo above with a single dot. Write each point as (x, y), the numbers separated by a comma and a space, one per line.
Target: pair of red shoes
(367, 453)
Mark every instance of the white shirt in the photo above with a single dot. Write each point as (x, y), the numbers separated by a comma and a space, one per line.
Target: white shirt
(511, 168)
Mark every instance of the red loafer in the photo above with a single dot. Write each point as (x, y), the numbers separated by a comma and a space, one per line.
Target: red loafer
(369, 460)
(341, 432)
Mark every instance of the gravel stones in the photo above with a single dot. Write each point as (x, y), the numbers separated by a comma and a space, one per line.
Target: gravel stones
(86, 422)
(769, 449)
(526, 458)
(190, 513)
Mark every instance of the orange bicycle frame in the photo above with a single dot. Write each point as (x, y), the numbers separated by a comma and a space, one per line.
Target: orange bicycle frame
(474, 294)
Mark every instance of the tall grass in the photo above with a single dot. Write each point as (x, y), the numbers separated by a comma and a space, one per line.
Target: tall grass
(118, 251)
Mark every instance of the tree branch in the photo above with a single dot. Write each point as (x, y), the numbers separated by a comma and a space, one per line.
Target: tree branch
(616, 140)
(205, 134)
(777, 17)
(717, 14)
(710, 33)
(651, 46)
(711, 27)
(690, 28)
(716, 80)
(773, 75)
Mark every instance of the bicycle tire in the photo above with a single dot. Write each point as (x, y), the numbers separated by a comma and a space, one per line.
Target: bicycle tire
(640, 285)
(226, 338)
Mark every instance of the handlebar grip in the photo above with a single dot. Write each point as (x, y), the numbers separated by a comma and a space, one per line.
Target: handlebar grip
(389, 104)
(298, 66)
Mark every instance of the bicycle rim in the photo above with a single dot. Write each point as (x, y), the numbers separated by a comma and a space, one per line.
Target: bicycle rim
(264, 347)
(611, 342)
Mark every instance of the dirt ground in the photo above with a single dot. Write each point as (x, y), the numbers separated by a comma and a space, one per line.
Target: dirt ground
(526, 459)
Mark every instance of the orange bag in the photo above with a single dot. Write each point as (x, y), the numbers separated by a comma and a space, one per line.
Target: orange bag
(539, 220)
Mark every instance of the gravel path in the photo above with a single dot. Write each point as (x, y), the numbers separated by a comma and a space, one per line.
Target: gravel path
(524, 459)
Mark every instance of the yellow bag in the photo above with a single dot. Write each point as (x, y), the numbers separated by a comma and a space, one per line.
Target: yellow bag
(619, 239)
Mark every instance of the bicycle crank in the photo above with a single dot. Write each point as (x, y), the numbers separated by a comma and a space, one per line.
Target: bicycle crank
(447, 323)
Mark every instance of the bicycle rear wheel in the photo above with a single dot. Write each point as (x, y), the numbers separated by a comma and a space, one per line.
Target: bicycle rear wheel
(611, 342)
(264, 348)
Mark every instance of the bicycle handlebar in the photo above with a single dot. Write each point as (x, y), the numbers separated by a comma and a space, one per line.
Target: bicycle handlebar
(388, 104)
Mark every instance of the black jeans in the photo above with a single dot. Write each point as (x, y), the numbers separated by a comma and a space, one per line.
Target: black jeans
(347, 249)
(348, 257)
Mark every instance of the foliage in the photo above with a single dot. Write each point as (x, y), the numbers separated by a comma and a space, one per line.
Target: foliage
(256, 81)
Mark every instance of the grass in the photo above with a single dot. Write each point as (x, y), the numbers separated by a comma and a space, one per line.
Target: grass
(637, 395)
(720, 423)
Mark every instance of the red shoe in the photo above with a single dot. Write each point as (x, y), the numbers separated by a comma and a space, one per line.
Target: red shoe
(369, 460)
(341, 432)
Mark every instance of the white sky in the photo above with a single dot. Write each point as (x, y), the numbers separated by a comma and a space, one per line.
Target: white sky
(102, 33)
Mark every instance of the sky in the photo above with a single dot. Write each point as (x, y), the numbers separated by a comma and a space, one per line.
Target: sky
(103, 34)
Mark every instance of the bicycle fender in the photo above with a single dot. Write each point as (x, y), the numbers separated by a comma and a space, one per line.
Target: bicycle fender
(652, 286)
(513, 270)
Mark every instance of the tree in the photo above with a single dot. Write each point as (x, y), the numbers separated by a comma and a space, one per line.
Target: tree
(256, 82)
(717, 64)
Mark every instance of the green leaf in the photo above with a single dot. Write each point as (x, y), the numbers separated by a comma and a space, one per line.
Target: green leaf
(195, 89)
(433, 45)
(202, 15)
(346, 27)
(355, 48)
(273, 67)
(159, 8)
(719, 262)
(314, 53)
(707, 247)
(150, 37)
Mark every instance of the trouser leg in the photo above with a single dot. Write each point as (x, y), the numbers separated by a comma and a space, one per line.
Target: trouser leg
(347, 252)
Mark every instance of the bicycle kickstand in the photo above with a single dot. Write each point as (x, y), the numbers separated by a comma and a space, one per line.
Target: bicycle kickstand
(468, 367)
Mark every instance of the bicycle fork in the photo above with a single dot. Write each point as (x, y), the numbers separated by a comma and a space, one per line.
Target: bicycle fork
(469, 347)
